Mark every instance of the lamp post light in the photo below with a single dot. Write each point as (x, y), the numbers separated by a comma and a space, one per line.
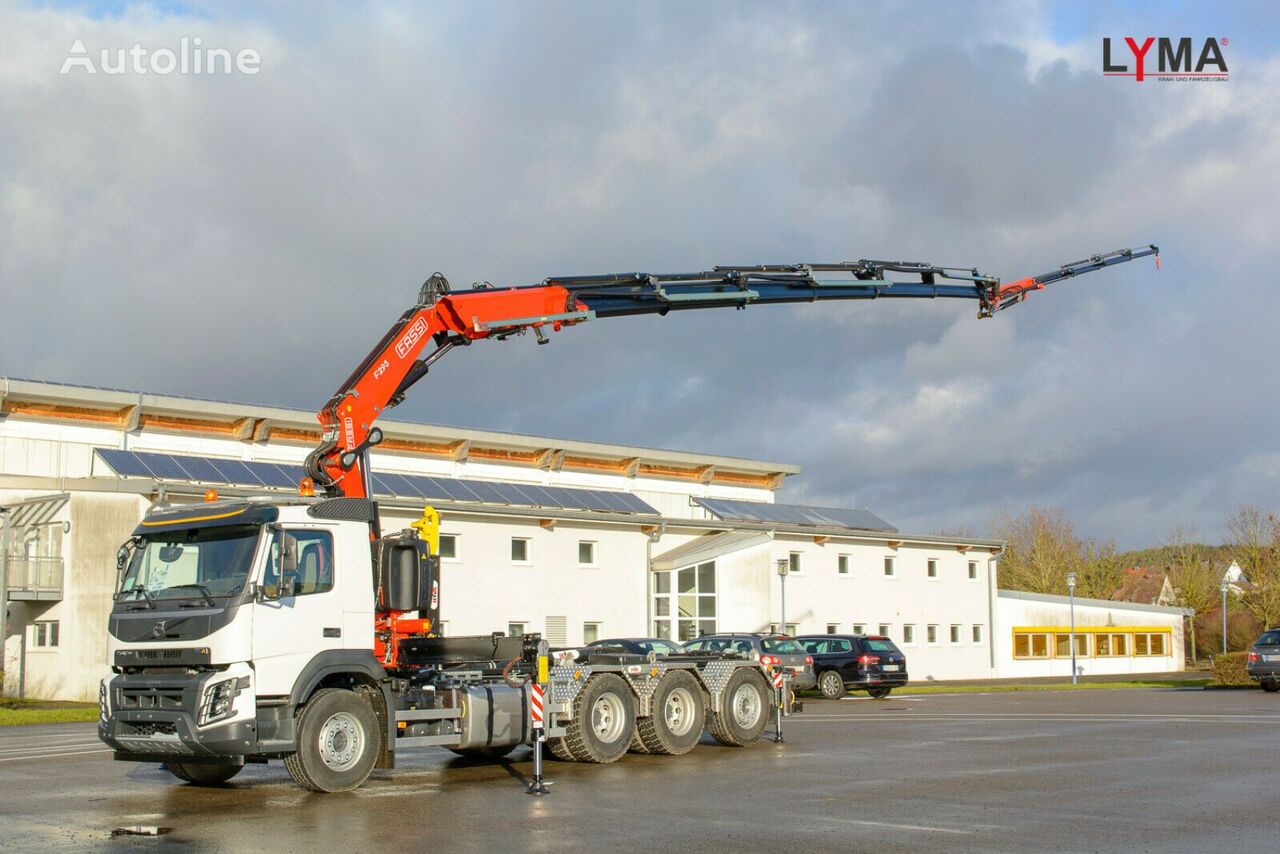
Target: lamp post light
(1071, 592)
(1223, 588)
(784, 567)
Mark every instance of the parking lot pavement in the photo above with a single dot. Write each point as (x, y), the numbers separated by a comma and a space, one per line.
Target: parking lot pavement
(1159, 770)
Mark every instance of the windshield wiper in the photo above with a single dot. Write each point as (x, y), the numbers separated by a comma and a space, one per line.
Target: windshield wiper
(204, 591)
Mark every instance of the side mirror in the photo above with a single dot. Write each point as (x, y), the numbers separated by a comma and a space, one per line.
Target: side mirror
(122, 558)
(288, 554)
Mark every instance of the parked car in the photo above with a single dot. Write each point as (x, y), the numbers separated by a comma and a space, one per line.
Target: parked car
(782, 650)
(635, 646)
(1264, 660)
(869, 662)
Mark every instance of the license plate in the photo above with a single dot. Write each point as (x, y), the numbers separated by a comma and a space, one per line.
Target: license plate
(1271, 658)
(889, 667)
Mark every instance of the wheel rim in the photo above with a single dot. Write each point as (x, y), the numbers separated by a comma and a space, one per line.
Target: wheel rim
(678, 712)
(746, 706)
(341, 741)
(607, 717)
(832, 684)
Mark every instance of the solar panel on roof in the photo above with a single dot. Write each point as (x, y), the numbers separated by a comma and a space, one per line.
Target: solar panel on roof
(123, 463)
(794, 514)
(286, 475)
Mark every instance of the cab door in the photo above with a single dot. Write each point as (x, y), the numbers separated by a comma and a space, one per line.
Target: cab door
(301, 613)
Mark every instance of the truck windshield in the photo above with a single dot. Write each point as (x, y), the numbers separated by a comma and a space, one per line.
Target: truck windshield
(195, 563)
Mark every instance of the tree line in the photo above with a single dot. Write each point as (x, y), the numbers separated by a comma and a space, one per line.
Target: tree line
(1043, 548)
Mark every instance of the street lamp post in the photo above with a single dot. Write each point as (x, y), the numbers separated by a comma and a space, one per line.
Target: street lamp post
(1071, 592)
(1224, 587)
(784, 567)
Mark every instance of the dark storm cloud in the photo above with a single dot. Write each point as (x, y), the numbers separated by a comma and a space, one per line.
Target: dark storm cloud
(250, 237)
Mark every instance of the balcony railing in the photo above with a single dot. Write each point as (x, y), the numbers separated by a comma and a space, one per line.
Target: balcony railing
(35, 577)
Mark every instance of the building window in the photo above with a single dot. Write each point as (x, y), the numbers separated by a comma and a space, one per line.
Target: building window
(1110, 645)
(792, 629)
(519, 550)
(931, 632)
(884, 630)
(833, 628)
(1062, 645)
(977, 634)
(973, 570)
(859, 629)
(44, 634)
(448, 546)
(590, 632)
(515, 629)
(586, 553)
(795, 561)
(1152, 643)
(1031, 645)
(889, 566)
(842, 565)
(955, 634)
(908, 633)
(932, 567)
(688, 611)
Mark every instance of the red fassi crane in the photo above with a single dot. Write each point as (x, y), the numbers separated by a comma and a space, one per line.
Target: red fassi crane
(340, 464)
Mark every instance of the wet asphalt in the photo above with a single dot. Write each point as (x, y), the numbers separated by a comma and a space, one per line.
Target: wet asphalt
(1114, 770)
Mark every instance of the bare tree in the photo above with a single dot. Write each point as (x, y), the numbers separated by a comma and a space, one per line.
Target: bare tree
(1255, 545)
(1042, 549)
(1194, 575)
(1101, 570)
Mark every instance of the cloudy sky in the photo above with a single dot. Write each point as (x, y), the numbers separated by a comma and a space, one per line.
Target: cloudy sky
(249, 237)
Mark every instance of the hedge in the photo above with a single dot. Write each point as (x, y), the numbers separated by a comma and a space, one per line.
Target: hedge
(1230, 669)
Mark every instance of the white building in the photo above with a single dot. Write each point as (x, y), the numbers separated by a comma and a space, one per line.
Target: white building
(576, 540)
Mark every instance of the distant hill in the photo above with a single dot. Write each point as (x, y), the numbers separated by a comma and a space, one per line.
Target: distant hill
(1158, 557)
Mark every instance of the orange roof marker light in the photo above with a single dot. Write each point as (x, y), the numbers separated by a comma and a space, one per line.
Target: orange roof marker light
(211, 495)
(307, 488)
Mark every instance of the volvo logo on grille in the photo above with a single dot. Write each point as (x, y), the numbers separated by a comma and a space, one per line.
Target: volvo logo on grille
(158, 631)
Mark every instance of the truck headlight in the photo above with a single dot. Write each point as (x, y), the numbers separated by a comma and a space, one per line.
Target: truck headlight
(220, 699)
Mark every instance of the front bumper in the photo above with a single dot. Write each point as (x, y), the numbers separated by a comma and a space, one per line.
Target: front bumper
(156, 716)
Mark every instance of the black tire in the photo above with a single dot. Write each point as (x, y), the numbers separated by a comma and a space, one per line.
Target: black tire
(678, 715)
(338, 742)
(202, 774)
(748, 703)
(1271, 687)
(603, 721)
(831, 683)
(559, 749)
(879, 693)
(484, 752)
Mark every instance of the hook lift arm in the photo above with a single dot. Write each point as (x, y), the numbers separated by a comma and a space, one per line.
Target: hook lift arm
(340, 463)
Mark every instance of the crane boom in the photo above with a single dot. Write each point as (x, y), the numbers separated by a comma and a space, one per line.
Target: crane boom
(340, 463)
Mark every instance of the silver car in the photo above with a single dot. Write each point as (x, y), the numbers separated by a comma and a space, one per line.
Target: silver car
(778, 650)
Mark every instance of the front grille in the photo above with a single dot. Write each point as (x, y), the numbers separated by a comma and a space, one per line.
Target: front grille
(158, 699)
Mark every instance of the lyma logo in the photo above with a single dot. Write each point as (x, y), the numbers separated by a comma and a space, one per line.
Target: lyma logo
(1172, 59)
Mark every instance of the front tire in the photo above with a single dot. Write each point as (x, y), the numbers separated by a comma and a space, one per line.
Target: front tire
(202, 774)
(338, 742)
(832, 685)
(748, 701)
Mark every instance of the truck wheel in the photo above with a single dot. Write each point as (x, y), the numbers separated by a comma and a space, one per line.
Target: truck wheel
(202, 774)
(338, 742)
(832, 685)
(603, 720)
(679, 715)
(748, 700)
